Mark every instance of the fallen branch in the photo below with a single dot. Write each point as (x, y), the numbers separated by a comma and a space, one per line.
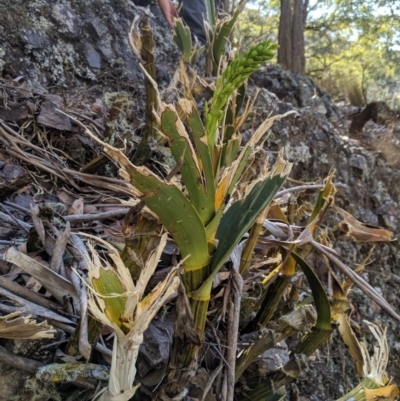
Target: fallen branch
(13, 221)
(52, 281)
(96, 216)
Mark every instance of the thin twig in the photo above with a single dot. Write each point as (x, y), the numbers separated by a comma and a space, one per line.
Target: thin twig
(95, 123)
(17, 207)
(12, 220)
(57, 285)
(14, 242)
(31, 366)
(362, 284)
(221, 351)
(232, 332)
(211, 380)
(80, 252)
(32, 159)
(81, 256)
(63, 173)
(19, 362)
(24, 306)
(96, 216)
(29, 295)
(59, 250)
(85, 348)
(80, 217)
(69, 329)
(305, 187)
(53, 344)
(111, 204)
(20, 223)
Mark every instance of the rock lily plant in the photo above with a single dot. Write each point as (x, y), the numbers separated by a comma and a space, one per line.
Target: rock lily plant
(212, 207)
(116, 301)
(213, 195)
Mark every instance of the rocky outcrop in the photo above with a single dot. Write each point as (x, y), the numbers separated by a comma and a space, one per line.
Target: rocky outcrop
(317, 140)
(66, 44)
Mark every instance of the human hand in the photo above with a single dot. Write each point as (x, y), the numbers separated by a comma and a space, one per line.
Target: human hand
(169, 11)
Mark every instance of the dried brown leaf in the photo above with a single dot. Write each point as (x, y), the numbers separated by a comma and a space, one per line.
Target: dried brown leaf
(350, 339)
(33, 285)
(49, 117)
(57, 285)
(24, 328)
(135, 39)
(388, 393)
(361, 232)
(77, 207)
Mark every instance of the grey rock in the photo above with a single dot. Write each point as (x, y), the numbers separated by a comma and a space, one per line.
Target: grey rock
(155, 351)
(46, 44)
(359, 162)
(273, 359)
(93, 57)
(95, 28)
(66, 18)
(33, 40)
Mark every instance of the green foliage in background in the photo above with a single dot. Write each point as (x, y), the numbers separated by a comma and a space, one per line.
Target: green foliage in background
(350, 46)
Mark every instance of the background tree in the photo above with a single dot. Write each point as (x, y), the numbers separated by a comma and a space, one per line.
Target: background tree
(291, 53)
(352, 48)
(285, 34)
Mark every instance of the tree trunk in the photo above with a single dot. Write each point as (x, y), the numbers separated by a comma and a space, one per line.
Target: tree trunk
(298, 56)
(291, 53)
(285, 35)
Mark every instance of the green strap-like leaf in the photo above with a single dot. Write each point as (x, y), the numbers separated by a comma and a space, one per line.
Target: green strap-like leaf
(176, 213)
(241, 165)
(109, 284)
(199, 137)
(230, 151)
(242, 215)
(211, 12)
(320, 298)
(183, 39)
(236, 221)
(181, 147)
(223, 31)
(232, 111)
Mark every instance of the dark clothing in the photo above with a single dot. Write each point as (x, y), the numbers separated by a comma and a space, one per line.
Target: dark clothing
(193, 13)
(142, 3)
